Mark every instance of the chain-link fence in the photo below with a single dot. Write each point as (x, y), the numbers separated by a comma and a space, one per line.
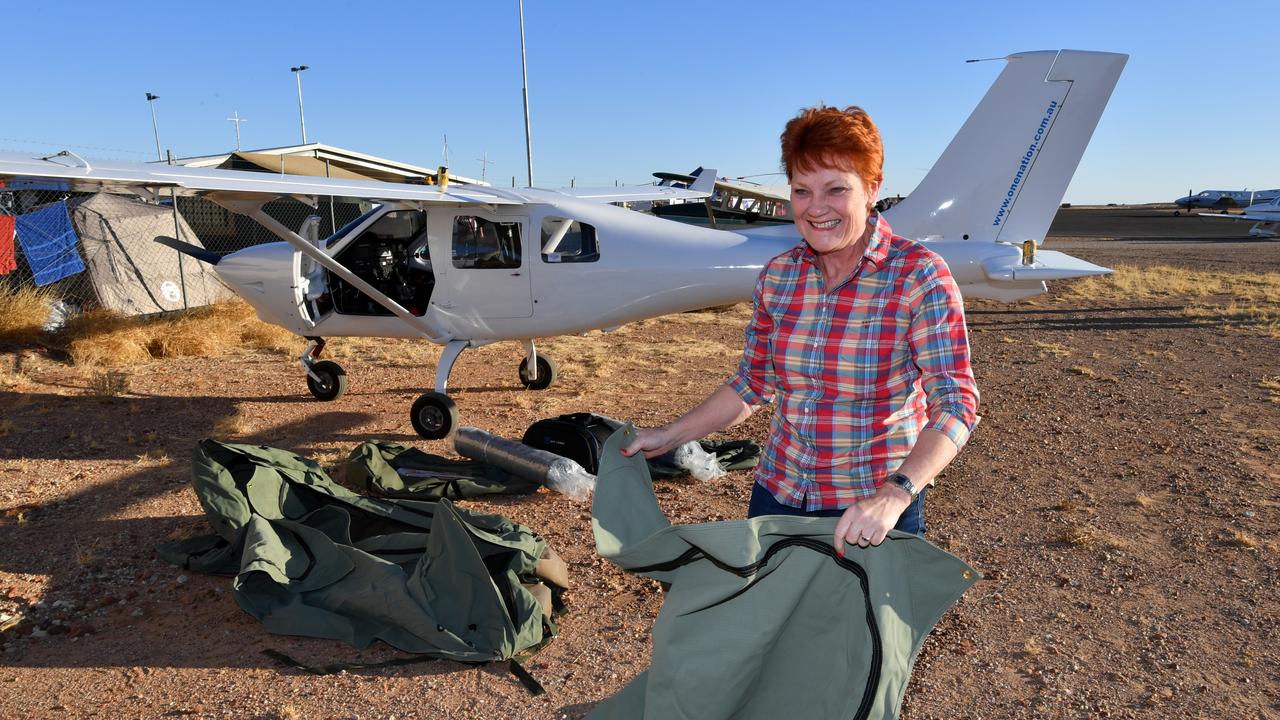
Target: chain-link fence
(99, 250)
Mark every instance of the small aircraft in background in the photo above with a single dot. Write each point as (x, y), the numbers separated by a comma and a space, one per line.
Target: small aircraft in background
(465, 266)
(732, 202)
(1265, 217)
(1223, 199)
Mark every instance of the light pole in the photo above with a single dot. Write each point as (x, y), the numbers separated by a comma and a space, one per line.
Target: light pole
(524, 71)
(155, 129)
(297, 73)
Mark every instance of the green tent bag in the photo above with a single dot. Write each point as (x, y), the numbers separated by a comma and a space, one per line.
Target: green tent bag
(312, 558)
(393, 470)
(762, 619)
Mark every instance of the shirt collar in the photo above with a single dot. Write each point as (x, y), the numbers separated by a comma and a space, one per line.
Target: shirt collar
(877, 245)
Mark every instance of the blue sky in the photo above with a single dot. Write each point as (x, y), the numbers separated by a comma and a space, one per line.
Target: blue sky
(620, 89)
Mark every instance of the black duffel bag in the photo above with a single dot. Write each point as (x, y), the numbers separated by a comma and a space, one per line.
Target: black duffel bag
(580, 437)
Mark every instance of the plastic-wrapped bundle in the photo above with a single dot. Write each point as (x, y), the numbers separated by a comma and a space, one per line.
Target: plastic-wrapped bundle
(702, 465)
(557, 473)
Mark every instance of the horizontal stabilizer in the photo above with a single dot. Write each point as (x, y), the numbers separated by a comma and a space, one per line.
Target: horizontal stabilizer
(1049, 265)
(194, 251)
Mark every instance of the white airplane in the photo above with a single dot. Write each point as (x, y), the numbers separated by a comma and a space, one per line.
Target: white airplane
(1265, 217)
(469, 266)
(1224, 199)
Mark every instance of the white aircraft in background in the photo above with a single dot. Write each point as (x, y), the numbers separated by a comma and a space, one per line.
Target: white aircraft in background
(1265, 217)
(469, 266)
(1224, 199)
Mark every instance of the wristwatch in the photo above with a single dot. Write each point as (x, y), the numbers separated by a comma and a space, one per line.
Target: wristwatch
(905, 483)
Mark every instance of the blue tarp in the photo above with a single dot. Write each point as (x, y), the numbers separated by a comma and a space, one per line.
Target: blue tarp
(49, 243)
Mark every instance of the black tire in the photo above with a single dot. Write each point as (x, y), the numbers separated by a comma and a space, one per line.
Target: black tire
(434, 415)
(333, 381)
(1176, 213)
(546, 373)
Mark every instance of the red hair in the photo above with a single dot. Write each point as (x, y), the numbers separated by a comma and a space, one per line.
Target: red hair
(826, 137)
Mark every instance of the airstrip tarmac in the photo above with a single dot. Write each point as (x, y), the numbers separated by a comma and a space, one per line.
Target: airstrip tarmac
(1120, 496)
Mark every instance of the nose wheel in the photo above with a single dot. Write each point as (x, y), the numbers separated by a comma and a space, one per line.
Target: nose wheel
(434, 415)
(326, 380)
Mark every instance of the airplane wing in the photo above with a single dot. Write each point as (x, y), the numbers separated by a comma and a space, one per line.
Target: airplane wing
(1244, 216)
(69, 172)
(634, 193)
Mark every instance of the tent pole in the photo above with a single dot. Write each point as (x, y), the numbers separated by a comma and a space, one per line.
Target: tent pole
(182, 273)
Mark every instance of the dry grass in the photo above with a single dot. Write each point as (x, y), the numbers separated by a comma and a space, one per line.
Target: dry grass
(23, 313)
(153, 458)
(1053, 349)
(1240, 538)
(1086, 536)
(233, 426)
(101, 338)
(1271, 385)
(1143, 501)
(1083, 370)
(1130, 282)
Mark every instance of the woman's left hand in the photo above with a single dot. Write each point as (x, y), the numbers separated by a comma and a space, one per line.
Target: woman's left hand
(869, 520)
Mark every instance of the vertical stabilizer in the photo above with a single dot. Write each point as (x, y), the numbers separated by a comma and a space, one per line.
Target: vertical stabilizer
(1004, 174)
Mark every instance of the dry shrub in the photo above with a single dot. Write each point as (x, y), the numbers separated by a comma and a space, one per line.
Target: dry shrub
(23, 313)
(1090, 537)
(109, 383)
(1143, 501)
(1067, 505)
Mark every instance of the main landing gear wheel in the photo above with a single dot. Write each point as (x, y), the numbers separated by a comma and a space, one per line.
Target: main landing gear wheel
(333, 380)
(434, 415)
(546, 373)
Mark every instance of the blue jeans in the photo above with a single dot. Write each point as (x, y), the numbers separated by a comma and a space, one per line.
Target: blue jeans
(764, 503)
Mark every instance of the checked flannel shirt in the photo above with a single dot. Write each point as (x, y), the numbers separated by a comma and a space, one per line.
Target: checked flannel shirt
(857, 370)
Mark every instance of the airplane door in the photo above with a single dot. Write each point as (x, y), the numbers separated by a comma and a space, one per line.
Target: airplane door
(489, 265)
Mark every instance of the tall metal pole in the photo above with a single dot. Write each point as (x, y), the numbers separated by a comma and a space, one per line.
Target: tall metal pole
(237, 120)
(524, 69)
(155, 129)
(302, 118)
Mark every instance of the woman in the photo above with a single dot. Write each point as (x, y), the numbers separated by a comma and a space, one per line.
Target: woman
(858, 338)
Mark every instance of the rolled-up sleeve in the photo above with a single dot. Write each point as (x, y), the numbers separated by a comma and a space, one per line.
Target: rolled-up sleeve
(754, 380)
(939, 344)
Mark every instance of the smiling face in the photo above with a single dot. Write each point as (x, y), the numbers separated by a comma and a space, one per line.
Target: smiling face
(830, 207)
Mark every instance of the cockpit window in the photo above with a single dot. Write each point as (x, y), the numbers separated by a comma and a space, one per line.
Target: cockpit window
(480, 243)
(568, 241)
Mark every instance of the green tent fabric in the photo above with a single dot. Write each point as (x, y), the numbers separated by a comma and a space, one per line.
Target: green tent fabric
(312, 558)
(762, 619)
(398, 471)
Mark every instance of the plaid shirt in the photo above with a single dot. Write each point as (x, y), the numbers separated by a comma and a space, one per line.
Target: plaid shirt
(857, 370)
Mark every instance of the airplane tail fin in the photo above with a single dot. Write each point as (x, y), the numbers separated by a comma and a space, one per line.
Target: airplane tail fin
(1004, 174)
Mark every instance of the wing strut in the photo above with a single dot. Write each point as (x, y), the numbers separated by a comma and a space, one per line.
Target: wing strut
(253, 209)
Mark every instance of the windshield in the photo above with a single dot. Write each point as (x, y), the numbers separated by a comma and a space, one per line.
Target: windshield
(342, 231)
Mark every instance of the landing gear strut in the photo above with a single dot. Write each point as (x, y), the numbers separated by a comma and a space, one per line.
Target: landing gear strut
(325, 379)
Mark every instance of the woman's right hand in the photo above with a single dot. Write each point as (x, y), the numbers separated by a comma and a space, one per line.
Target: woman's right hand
(651, 441)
